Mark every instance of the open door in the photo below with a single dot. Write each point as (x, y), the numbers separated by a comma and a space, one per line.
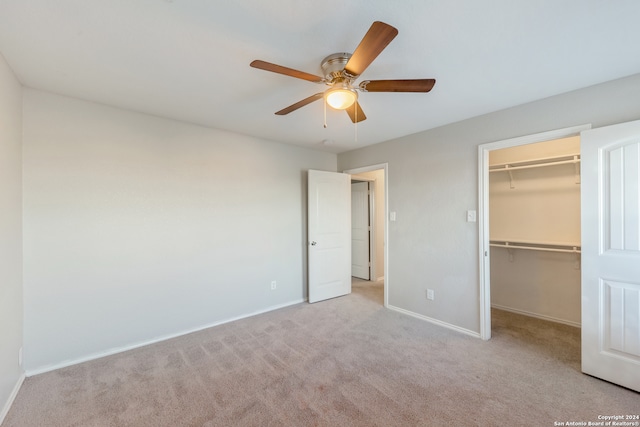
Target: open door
(611, 253)
(329, 233)
(360, 231)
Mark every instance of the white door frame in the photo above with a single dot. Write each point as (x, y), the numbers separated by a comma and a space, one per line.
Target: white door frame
(483, 211)
(385, 168)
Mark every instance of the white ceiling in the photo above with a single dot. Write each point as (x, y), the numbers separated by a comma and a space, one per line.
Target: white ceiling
(189, 59)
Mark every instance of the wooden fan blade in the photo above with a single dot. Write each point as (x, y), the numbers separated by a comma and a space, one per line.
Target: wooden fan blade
(351, 111)
(300, 104)
(274, 68)
(374, 42)
(415, 85)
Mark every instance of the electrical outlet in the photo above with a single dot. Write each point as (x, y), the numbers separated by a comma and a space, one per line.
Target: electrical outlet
(273, 285)
(20, 357)
(430, 294)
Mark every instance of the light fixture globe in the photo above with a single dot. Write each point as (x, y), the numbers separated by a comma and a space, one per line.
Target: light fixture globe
(341, 97)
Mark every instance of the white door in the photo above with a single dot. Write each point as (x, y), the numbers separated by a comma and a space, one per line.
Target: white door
(611, 253)
(329, 232)
(360, 230)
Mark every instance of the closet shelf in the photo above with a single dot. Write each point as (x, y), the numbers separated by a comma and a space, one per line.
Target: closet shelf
(536, 163)
(566, 159)
(573, 248)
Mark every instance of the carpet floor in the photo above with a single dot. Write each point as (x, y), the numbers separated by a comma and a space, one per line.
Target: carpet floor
(342, 362)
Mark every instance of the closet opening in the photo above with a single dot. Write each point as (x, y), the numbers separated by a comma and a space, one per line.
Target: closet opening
(529, 226)
(534, 230)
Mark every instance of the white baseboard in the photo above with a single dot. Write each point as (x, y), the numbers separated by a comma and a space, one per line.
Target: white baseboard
(538, 316)
(116, 350)
(12, 397)
(435, 321)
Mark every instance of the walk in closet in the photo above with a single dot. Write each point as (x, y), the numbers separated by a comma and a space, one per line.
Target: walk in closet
(534, 211)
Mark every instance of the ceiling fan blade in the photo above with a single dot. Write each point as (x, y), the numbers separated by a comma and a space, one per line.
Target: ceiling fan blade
(415, 85)
(355, 113)
(300, 104)
(374, 42)
(268, 66)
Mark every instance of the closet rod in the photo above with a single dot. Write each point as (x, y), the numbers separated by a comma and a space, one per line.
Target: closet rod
(575, 250)
(537, 165)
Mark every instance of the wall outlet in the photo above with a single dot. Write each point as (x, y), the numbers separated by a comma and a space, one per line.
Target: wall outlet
(273, 285)
(430, 294)
(20, 357)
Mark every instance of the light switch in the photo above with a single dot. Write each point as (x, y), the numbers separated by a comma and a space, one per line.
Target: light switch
(471, 216)
(392, 216)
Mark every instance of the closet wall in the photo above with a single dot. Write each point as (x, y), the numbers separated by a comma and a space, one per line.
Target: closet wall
(534, 211)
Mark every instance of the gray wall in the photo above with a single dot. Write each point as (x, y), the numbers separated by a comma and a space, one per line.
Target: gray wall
(138, 228)
(10, 234)
(433, 180)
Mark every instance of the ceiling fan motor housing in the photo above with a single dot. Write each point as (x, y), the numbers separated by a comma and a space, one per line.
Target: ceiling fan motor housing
(333, 67)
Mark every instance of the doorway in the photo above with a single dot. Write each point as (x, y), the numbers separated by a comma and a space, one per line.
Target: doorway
(376, 178)
(534, 217)
(484, 218)
(362, 221)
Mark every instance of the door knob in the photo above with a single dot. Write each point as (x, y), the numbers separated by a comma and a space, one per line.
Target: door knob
(313, 243)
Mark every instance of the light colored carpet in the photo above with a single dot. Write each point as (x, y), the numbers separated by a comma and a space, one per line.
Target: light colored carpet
(342, 362)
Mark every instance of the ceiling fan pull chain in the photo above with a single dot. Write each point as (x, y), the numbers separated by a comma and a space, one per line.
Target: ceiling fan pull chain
(324, 103)
(356, 125)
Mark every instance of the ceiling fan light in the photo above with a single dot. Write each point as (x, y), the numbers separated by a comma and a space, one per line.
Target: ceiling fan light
(341, 98)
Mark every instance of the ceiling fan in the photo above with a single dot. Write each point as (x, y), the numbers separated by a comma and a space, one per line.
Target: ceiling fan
(342, 69)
